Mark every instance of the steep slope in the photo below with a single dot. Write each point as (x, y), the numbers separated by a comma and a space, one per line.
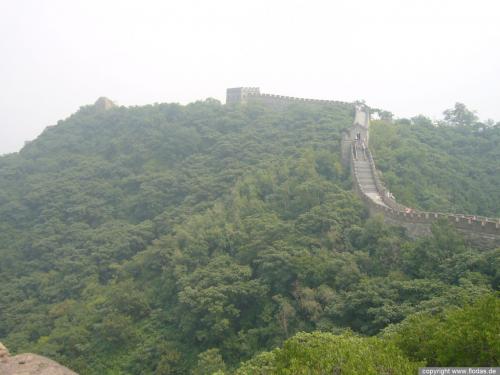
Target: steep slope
(444, 168)
(150, 240)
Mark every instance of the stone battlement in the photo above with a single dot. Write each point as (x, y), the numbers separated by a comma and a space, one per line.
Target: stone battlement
(480, 230)
(367, 183)
(240, 94)
(243, 95)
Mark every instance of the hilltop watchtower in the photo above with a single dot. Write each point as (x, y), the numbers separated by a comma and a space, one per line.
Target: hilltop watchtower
(103, 104)
(240, 94)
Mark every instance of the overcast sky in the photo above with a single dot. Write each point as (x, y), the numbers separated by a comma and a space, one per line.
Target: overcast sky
(405, 56)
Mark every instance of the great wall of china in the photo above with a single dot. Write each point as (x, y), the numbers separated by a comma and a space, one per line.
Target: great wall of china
(479, 230)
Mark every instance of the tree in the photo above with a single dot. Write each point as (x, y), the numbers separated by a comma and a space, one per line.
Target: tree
(460, 115)
(465, 336)
(421, 120)
(325, 353)
(134, 239)
(209, 362)
(386, 116)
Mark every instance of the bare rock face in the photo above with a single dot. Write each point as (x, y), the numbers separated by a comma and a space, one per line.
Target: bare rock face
(4, 353)
(29, 364)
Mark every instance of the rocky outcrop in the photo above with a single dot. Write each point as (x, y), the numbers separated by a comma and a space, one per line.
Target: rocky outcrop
(29, 364)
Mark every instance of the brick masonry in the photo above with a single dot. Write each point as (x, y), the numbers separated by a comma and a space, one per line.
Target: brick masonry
(481, 231)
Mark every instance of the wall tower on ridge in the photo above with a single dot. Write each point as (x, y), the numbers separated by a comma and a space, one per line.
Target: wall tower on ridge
(240, 94)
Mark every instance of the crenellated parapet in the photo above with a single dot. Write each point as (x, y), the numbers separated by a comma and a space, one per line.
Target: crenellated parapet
(284, 100)
(243, 95)
(479, 230)
(367, 182)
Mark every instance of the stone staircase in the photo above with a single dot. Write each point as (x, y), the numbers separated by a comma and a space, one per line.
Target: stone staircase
(364, 173)
(481, 231)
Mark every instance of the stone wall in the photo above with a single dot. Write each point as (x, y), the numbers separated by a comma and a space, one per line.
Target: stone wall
(479, 230)
(240, 94)
(253, 94)
(103, 104)
(284, 100)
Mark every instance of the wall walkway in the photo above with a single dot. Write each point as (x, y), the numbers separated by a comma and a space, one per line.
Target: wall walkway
(480, 230)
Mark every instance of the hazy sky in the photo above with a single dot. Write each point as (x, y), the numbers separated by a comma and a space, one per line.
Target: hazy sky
(409, 57)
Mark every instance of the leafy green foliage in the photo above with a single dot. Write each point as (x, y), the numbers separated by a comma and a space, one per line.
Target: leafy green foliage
(440, 168)
(455, 337)
(325, 353)
(460, 115)
(209, 362)
(172, 239)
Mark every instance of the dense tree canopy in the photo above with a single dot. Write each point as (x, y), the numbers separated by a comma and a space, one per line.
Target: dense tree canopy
(467, 336)
(440, 168)
(325, 353)
(172, 239)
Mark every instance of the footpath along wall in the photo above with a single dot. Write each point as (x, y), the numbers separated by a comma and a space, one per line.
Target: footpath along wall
(481, 231)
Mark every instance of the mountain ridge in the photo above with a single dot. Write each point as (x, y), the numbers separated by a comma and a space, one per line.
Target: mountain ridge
(153, 239)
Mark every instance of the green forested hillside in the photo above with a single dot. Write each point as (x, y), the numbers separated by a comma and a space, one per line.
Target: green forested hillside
(174, 239)
(448, 338)
(440, 168)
